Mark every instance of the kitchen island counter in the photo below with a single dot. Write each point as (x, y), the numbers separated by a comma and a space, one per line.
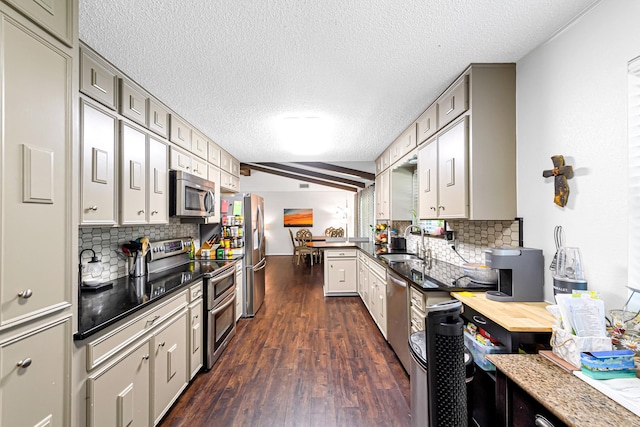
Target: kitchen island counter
(568, 398)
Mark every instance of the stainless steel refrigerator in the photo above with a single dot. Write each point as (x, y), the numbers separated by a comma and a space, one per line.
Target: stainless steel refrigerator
(254, 260)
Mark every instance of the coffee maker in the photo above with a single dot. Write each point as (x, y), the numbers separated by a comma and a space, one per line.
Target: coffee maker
(520, 273)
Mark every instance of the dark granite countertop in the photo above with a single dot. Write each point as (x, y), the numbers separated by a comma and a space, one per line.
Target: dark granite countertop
(98, 309)
(442, 276)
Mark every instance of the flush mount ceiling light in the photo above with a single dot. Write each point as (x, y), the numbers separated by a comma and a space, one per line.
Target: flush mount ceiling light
(303, 135)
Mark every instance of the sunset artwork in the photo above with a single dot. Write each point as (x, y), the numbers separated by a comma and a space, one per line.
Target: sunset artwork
(298, 217)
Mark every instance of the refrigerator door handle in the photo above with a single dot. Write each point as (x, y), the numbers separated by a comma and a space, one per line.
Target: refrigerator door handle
(259, 266)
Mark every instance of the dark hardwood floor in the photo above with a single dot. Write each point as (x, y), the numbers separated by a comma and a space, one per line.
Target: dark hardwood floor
(304, 360)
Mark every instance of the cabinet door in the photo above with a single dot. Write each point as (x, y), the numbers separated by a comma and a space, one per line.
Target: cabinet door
(407, 140)
(226, 182)
(214, 176)
(235, 167)
(428, 180)
(199, 168)
(195, 337)
(179, 160)
(133, 102)
(158, 121)
(35, 177)
(35, 377)
(133, 189)
(239, 290)
(170, 364)
(381, 314)
(225, 161)
(453, 102)
(373, 295)
(158, 179)
(97, 79)
(427, 124)
(98, 142)
(213, 154)
(55, 16)
(180, 133)
(341, 276)
(199, 144)
(119, 394)
(452, 172)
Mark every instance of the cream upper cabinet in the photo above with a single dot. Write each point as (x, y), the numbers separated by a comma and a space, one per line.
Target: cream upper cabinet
(98, 79)
(170, 376)
(475, 152)
(199, 144)
(453, 102)
(214, 176)
(442, 174)
(158, 118)
(235, 167)
(199, 167)
(98, 146)
(133, 175)
(428, 180)
(179, 159)
(427, 124)
(382, 162)
(158, 183)
(225, 161)
(36, 375)
(383, 208)
(213, 154)
(403, 144)
(118, 395)
(133, 102)
(180, 133)
(37, 116)
(55, 16)
(229, 182)
(452, 172)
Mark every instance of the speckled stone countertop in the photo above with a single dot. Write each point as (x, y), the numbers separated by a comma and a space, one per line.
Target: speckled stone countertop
(572, 400)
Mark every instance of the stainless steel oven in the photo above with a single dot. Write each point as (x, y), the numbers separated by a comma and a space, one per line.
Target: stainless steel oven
(220, 297)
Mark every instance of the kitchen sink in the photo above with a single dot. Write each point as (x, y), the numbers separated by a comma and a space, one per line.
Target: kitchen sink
(400, 257)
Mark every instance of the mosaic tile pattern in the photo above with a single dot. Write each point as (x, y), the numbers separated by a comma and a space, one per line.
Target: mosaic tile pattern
(106, 243)
(472, 238)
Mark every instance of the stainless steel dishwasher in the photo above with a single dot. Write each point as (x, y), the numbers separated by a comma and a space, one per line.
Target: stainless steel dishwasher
(398, 317)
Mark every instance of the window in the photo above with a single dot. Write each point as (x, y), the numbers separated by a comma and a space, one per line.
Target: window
(634, 175)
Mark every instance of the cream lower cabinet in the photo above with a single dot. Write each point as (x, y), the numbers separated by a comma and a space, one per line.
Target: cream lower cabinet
(363, 278)
(340, 272)
(119, 394)
(170, 376)
(35, 376)
(378, 296)
(239, 290)
(195, 329)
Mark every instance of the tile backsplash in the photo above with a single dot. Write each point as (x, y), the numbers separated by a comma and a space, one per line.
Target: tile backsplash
(106, 242)
(472, 238)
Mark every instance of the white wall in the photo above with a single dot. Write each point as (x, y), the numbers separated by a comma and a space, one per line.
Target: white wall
(280, 193)
(572, 100)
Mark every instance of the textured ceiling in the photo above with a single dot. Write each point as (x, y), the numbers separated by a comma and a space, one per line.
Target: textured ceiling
(367, 68)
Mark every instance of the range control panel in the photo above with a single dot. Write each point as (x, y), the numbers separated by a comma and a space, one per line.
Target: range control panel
(168, 248)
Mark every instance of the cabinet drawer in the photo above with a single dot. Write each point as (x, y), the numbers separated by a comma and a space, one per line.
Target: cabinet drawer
(417, 318)
(427, 123)
(347, 253)
(378, 270)
(453, 102)
(158, 120)
(102, 348)
(133, 102)
(195, 292)
(417, 298)
(97, 79)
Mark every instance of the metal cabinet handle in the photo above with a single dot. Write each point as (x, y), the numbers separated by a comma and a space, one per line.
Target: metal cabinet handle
(441, 207)
(542, 421)
(479, 320)
(25, 363)
(141, 211)
(93, 208)
(145, 357)
(154, 212)
(27, 293)
(433, 208)
(154, 319)
(161, 344)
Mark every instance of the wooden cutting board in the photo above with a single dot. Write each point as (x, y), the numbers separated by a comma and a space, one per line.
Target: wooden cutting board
(513, 316)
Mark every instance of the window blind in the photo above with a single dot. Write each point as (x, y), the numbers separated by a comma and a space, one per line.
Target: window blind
(366, 215)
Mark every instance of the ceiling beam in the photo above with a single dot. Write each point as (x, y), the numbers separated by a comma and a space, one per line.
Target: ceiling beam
(334, 168)
(259, 168)
(313, 174)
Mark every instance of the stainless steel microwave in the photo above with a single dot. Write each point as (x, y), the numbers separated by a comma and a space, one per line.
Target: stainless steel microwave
(190, 195)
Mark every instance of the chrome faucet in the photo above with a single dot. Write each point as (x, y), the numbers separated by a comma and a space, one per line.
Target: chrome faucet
(422, 251)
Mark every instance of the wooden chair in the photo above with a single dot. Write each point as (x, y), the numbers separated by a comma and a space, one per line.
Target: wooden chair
(339, 232)
(295, 247)
(329, 231)
(303, 236)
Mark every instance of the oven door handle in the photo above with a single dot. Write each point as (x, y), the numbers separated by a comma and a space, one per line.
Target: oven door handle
(225, 303)
(216, 279)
